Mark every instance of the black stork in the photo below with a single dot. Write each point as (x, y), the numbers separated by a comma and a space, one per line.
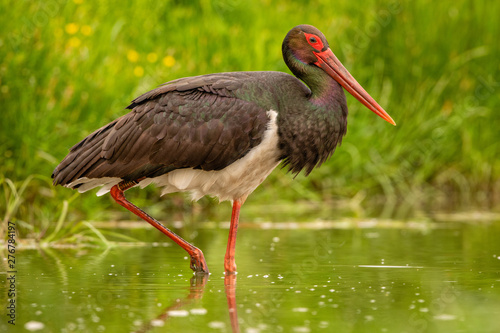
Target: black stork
(222, 134)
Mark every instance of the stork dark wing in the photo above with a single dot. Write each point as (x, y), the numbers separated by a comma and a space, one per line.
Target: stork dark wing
(193, 122)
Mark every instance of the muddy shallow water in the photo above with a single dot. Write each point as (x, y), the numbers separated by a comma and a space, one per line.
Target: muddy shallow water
(305, 277)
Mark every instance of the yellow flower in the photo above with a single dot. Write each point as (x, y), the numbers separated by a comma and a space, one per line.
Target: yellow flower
(86, 30)
(138, 71)
(74, 42)
(132, 55)
(71, 28)
(152, 57)
(169, 61)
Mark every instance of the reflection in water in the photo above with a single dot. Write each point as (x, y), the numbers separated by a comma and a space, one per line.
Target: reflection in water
(196, 290)
(198, 283)
(230, 289)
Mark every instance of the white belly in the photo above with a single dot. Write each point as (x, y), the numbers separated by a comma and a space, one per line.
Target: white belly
(235, 181)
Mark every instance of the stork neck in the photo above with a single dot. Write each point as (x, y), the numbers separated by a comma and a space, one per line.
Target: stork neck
(323, 87)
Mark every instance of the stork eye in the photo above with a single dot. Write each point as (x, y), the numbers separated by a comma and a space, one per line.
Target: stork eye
(314, 41)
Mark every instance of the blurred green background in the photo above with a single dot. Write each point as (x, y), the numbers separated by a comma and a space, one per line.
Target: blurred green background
(69, 67)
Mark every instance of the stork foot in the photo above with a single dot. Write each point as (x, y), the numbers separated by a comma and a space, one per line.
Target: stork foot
(198, 263)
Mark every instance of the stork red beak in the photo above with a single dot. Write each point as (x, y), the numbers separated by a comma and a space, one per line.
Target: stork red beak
(330, 64)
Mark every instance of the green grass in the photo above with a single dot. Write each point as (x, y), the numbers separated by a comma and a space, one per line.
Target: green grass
(68, 68)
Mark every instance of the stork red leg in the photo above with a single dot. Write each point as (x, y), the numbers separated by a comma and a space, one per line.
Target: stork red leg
(198, 263)
(229, 263)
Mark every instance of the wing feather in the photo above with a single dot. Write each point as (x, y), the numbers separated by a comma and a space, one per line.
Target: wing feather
(194, 122)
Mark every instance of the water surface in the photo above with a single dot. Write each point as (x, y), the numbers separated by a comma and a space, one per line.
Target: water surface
(309, 277)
